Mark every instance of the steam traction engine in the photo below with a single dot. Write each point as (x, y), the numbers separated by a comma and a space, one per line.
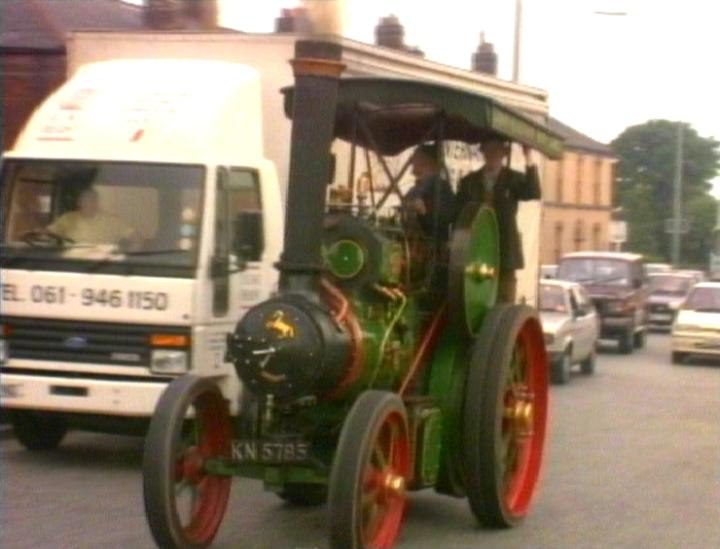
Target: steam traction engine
(383, 364)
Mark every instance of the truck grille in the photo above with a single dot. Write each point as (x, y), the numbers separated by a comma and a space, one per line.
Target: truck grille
(84, 342)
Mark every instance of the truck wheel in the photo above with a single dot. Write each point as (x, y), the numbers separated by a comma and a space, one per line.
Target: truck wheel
(625, 343)
(560, 369)
(504, 418)
(587, 366)
(185, 504)
(38, 432)
(367, 496)
(639, 339)
(678, 358)
(303, 494)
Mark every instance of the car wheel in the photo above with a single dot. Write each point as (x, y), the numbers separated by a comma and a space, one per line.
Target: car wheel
(678, 358)
(560, 369)
(587, 366)
(639, 339)
(625, 343)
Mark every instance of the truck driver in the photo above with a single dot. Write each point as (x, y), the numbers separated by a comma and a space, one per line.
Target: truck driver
(499, 187)
(88, 224)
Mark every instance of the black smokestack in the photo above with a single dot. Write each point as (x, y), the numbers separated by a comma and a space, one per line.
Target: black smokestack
(317, 67)
(485, 59)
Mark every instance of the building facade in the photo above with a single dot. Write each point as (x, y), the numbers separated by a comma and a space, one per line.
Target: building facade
(578, 194)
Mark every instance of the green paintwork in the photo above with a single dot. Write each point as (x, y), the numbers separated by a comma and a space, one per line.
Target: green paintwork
(446, 384)
(428, 446)
(482, 250)
(345, 258)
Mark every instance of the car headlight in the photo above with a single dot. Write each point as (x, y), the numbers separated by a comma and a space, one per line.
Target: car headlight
(166, 361)
(549, 338)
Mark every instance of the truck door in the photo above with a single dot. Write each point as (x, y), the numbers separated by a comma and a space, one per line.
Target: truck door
(238, 242)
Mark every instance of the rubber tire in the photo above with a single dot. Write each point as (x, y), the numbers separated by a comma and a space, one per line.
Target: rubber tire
(38, 432)
(678, 357)
(560, 369)
(354, 446)
(639, 339)
(158, 470)
(303, 494)
(626, 343)
(479, 415)
(587, 366)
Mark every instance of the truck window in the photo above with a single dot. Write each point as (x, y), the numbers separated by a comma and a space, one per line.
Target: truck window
(245, 211)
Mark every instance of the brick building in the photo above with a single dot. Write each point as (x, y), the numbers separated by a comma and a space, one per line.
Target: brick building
(578, 196)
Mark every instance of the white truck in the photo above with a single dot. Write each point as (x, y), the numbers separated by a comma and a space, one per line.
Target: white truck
(140, 220)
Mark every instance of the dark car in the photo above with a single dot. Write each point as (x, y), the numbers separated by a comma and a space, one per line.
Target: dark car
(616, 284)
(667, 293)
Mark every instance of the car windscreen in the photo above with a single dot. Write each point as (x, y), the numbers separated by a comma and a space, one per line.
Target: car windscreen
(669, 285)
(703, 299)
(84, 216)
(600, 271)
(552, 299)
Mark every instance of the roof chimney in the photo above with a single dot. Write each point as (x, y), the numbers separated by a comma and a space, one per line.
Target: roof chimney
(161, 14)
(390, 33)
(293, 20)
(202, 14)
(485, 60)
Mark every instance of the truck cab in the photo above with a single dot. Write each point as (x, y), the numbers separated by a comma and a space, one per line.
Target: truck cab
(140, 221)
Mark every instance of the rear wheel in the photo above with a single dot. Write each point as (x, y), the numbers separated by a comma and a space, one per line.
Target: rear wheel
(625, 342)
(504, 419)
(185, 504)
(678, 358)
(367, 496)
(587, 366)
(560, 369)
(639, 339)
(36, 431)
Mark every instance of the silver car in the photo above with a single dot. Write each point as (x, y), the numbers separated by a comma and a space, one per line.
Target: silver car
(571, 328)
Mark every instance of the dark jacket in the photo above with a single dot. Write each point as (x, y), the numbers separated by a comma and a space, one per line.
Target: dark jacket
(511, 186)
(426, 189)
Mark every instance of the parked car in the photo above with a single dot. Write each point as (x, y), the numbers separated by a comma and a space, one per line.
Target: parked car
(696, 330)
(667, 293)
(570, 325)
(616, 284)
(548, 271)
(654, 268)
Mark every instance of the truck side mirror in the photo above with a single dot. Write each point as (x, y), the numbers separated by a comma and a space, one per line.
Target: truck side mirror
(248, 235)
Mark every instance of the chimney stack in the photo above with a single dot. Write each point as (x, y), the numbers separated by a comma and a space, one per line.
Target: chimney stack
(201, 14)
(161, 14)
(389, 33)
(293, 20)
(484, 59)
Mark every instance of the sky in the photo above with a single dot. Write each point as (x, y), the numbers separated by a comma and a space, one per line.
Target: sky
(603, 73)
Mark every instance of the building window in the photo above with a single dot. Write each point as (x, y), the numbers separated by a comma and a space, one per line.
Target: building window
(579, 179)
(597, 183)
(579, 236)
(597, 234)
(558, 240)
(559, 181)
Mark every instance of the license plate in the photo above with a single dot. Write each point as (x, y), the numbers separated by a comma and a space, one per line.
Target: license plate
(270, 452)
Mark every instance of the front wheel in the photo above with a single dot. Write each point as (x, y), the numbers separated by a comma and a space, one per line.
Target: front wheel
(561, 369)
(587, 366)
(504, 417)
(185, 504)
(38, 432)
(370, 472)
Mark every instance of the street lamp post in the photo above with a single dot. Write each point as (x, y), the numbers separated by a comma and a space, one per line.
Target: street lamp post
(677, 197)
(516, 50)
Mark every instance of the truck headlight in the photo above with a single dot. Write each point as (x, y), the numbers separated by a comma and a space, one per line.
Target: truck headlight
(549, 338)
(166, 361)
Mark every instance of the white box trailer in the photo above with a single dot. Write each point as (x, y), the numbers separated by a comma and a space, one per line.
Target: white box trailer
(182, 153)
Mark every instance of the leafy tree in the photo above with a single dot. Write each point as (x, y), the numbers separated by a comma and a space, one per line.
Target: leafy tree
(646, 168)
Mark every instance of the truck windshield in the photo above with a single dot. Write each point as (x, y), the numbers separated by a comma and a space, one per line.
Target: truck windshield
(104, 216)
(600, 271)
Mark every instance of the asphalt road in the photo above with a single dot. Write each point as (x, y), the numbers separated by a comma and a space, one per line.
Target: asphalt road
(633, 462)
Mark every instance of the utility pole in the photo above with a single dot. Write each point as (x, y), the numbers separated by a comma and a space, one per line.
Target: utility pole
(516, 51)
(677, 197)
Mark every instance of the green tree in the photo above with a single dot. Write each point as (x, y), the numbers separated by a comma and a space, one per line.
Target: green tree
(646, 167)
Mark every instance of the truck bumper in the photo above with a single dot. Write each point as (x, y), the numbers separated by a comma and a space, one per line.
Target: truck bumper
(78, 395)
(614, 326)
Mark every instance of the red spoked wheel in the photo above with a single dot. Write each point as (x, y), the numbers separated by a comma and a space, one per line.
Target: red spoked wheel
(184, 504)
(505, 416)
(367, 498)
